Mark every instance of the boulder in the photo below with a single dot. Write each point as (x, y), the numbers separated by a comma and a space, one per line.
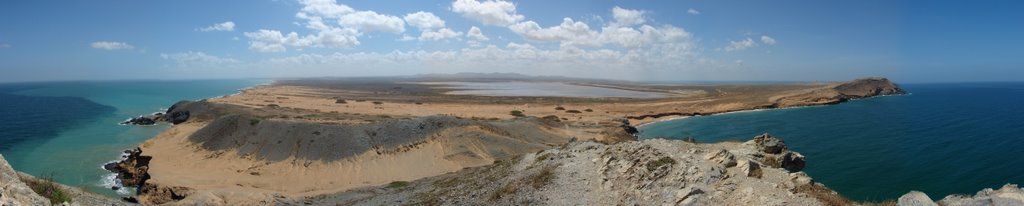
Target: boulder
(133, 170)
(793, 162)
(915, 198)
(155, 194)
(723, 157)
(769, 144)
(750, 168)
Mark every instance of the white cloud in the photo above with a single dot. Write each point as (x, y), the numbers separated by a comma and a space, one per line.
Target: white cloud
(475, 34)
(693, 11)
(274, 41)
(325, 8)
(490, 12)
(628, 17)
(226, 26)
(109, 45)
(372, 21)
(438, 35)
(767, 40)
(197, 58)
(740, 45)
(424, 20)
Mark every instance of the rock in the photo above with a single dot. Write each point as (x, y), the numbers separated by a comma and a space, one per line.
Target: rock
(769, 144)
(140, 121)
(177, 117)
(690, 140)
(133, 170)
(13, 191)
(154, 194)
(750, 168)
(723, 157)
(793, 162)
(1009, 194)
(915, 198)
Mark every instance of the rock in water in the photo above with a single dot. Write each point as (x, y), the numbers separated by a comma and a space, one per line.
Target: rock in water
(140, 121)
(793, 162)
(915, 198)
(133, 171)
(769, 144)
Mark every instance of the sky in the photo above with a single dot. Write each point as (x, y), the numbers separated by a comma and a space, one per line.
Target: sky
(679, 40)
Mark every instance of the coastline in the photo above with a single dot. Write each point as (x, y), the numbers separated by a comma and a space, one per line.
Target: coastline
(657, 120)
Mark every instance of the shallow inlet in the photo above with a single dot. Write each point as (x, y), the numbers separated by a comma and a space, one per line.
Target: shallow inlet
(942, 139)
(539, 89)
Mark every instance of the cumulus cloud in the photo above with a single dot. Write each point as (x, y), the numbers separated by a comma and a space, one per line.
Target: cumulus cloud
(226, 26)
(693, 11)
(110, 45)
(490, 12)
(627, 17)
(334, 25)
(767, 40)
(424, 20)
(740, 45)
(325, 8)
(372, 21)
(438, 35)
(475, 34)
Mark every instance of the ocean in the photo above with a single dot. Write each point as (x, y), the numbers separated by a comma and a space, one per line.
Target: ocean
(940, 139)
(68, 130)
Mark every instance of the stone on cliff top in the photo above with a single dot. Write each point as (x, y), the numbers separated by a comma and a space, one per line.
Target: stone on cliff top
(915, 198)
(793, 162)
(750, 168)
(723, 157)
(1009, 194)
(769, 144)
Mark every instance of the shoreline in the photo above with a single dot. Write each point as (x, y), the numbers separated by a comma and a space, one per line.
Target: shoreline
(677, 117)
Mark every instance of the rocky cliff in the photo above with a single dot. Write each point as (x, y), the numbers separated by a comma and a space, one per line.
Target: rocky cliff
(14, 191)
(762, 171)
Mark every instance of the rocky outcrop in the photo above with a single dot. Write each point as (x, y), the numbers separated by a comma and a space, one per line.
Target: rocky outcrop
(834, 94)
(132, 170)
(15, 192)
(152, 193)
(646, 172)
(1008, 195)
(142, 120)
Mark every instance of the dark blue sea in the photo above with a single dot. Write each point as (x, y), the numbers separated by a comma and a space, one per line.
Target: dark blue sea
(941, 139)
(70, 129)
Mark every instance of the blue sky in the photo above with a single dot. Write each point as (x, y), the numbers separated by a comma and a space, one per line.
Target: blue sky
(908, 41)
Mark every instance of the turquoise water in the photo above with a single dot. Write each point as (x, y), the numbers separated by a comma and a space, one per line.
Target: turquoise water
(942, 139)
(541, 89)
(70, 129)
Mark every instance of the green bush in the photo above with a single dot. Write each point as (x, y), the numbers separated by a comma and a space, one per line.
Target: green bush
(254, 121)
(340, 101)
(573, 111)
(559, 108)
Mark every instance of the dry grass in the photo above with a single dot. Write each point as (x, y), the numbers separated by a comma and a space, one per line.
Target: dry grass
(652, 165)
(831, 198)
(47, 188)
(543, 177)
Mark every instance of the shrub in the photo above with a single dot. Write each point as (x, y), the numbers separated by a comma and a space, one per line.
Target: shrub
(543, 177)
(398, 184)
(378, 103)
(254, 121)
(360, 100)
(588, 110)
(340, 101)
(47, 188)
(652, 165)
(552, 118)
(573, 111)
(273, 105)
(559, 108)
(516, 113)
